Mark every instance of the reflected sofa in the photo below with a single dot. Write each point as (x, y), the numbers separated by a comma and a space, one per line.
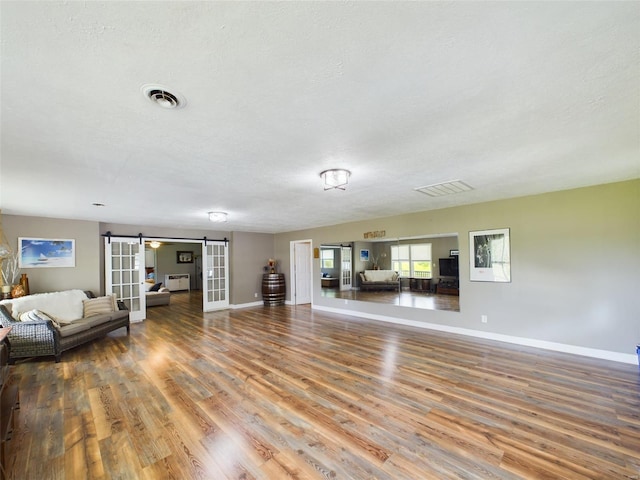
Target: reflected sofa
(379, 280)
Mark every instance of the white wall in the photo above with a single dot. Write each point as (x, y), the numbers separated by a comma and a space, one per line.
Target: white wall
(575, 262)
(85, 275)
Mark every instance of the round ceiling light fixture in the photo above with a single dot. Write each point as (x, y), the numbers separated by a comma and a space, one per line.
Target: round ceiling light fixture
(217, 217)
(337, 178)
(161, 96)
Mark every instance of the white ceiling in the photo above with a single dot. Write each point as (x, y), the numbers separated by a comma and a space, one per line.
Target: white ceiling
(513, 98)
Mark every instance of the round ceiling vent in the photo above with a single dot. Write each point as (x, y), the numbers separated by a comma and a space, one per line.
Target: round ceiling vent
(161, 96)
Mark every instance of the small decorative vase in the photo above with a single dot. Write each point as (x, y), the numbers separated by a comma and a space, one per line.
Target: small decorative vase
(17, 291)
(24, 281)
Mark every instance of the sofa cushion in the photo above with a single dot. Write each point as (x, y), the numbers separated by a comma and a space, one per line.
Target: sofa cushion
(94, 306)
(118, 314)
(156, 287)
(95, 320)
(73, 328)
(380, 275)
(87, 323)
(66, 305)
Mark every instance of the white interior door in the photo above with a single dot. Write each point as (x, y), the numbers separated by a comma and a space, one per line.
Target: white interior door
(124, 273)
(346, 273)
(301, 273)
(215, 275)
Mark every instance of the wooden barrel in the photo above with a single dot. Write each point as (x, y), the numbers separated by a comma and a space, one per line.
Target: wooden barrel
(273, 289)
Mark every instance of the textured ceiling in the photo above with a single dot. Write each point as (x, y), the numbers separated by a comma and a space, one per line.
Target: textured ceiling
(513, 98)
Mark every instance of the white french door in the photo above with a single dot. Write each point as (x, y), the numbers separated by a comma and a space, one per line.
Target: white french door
(345, 268)
(124, 273)
(215, 275)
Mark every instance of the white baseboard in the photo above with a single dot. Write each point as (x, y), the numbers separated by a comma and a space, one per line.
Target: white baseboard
(246, 305)
(529, 342)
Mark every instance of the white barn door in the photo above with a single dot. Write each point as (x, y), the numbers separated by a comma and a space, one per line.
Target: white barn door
(124, 273)
(346, 274)
(215, 275)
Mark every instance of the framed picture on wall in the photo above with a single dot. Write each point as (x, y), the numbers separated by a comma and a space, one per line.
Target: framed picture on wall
(46, 252)
(184, 257)
(364, 255)
(490, 256)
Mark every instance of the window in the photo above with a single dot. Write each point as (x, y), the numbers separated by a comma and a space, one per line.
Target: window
(412, 260)
(400, 261)
(420, 260)
(327, 258)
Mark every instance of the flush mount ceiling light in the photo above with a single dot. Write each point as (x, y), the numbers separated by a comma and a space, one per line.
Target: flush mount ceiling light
(154, 244)
(163, 97)
(444, 188)
(217, 217)
(335, 178)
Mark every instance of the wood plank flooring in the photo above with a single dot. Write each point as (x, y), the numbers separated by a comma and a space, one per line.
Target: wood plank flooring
(286, 392)
(406, 298)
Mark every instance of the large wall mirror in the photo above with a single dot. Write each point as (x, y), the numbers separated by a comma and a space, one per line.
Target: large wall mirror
(417, 272)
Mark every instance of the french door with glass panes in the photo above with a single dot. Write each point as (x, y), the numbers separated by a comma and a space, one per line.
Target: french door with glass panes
(345, 268)
(124, 273)
(215, 275)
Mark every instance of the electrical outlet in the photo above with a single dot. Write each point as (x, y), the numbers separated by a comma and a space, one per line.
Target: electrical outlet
(346, 302)
(483, 318)
(255, 295)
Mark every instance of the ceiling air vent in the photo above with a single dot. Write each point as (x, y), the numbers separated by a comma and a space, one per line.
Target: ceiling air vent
(444, 188)
(161, 96)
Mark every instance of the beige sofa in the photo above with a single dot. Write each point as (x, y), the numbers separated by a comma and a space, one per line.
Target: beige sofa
(50, 323)
(379, 280)
(162, 296)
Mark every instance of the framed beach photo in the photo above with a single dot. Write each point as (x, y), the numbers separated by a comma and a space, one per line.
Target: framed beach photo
(490, 256)
(364, 255)
(46, 252)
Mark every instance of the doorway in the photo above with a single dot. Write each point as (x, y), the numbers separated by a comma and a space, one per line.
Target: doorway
(125, 271)
(301, 270)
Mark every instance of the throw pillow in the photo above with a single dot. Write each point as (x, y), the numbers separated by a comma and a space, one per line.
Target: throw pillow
(156, 287)
(114, 300)
(95, 306)
(36, 316)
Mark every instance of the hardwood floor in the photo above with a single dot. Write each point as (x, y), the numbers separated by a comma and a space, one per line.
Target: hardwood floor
(286, 392)
(406, 298)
